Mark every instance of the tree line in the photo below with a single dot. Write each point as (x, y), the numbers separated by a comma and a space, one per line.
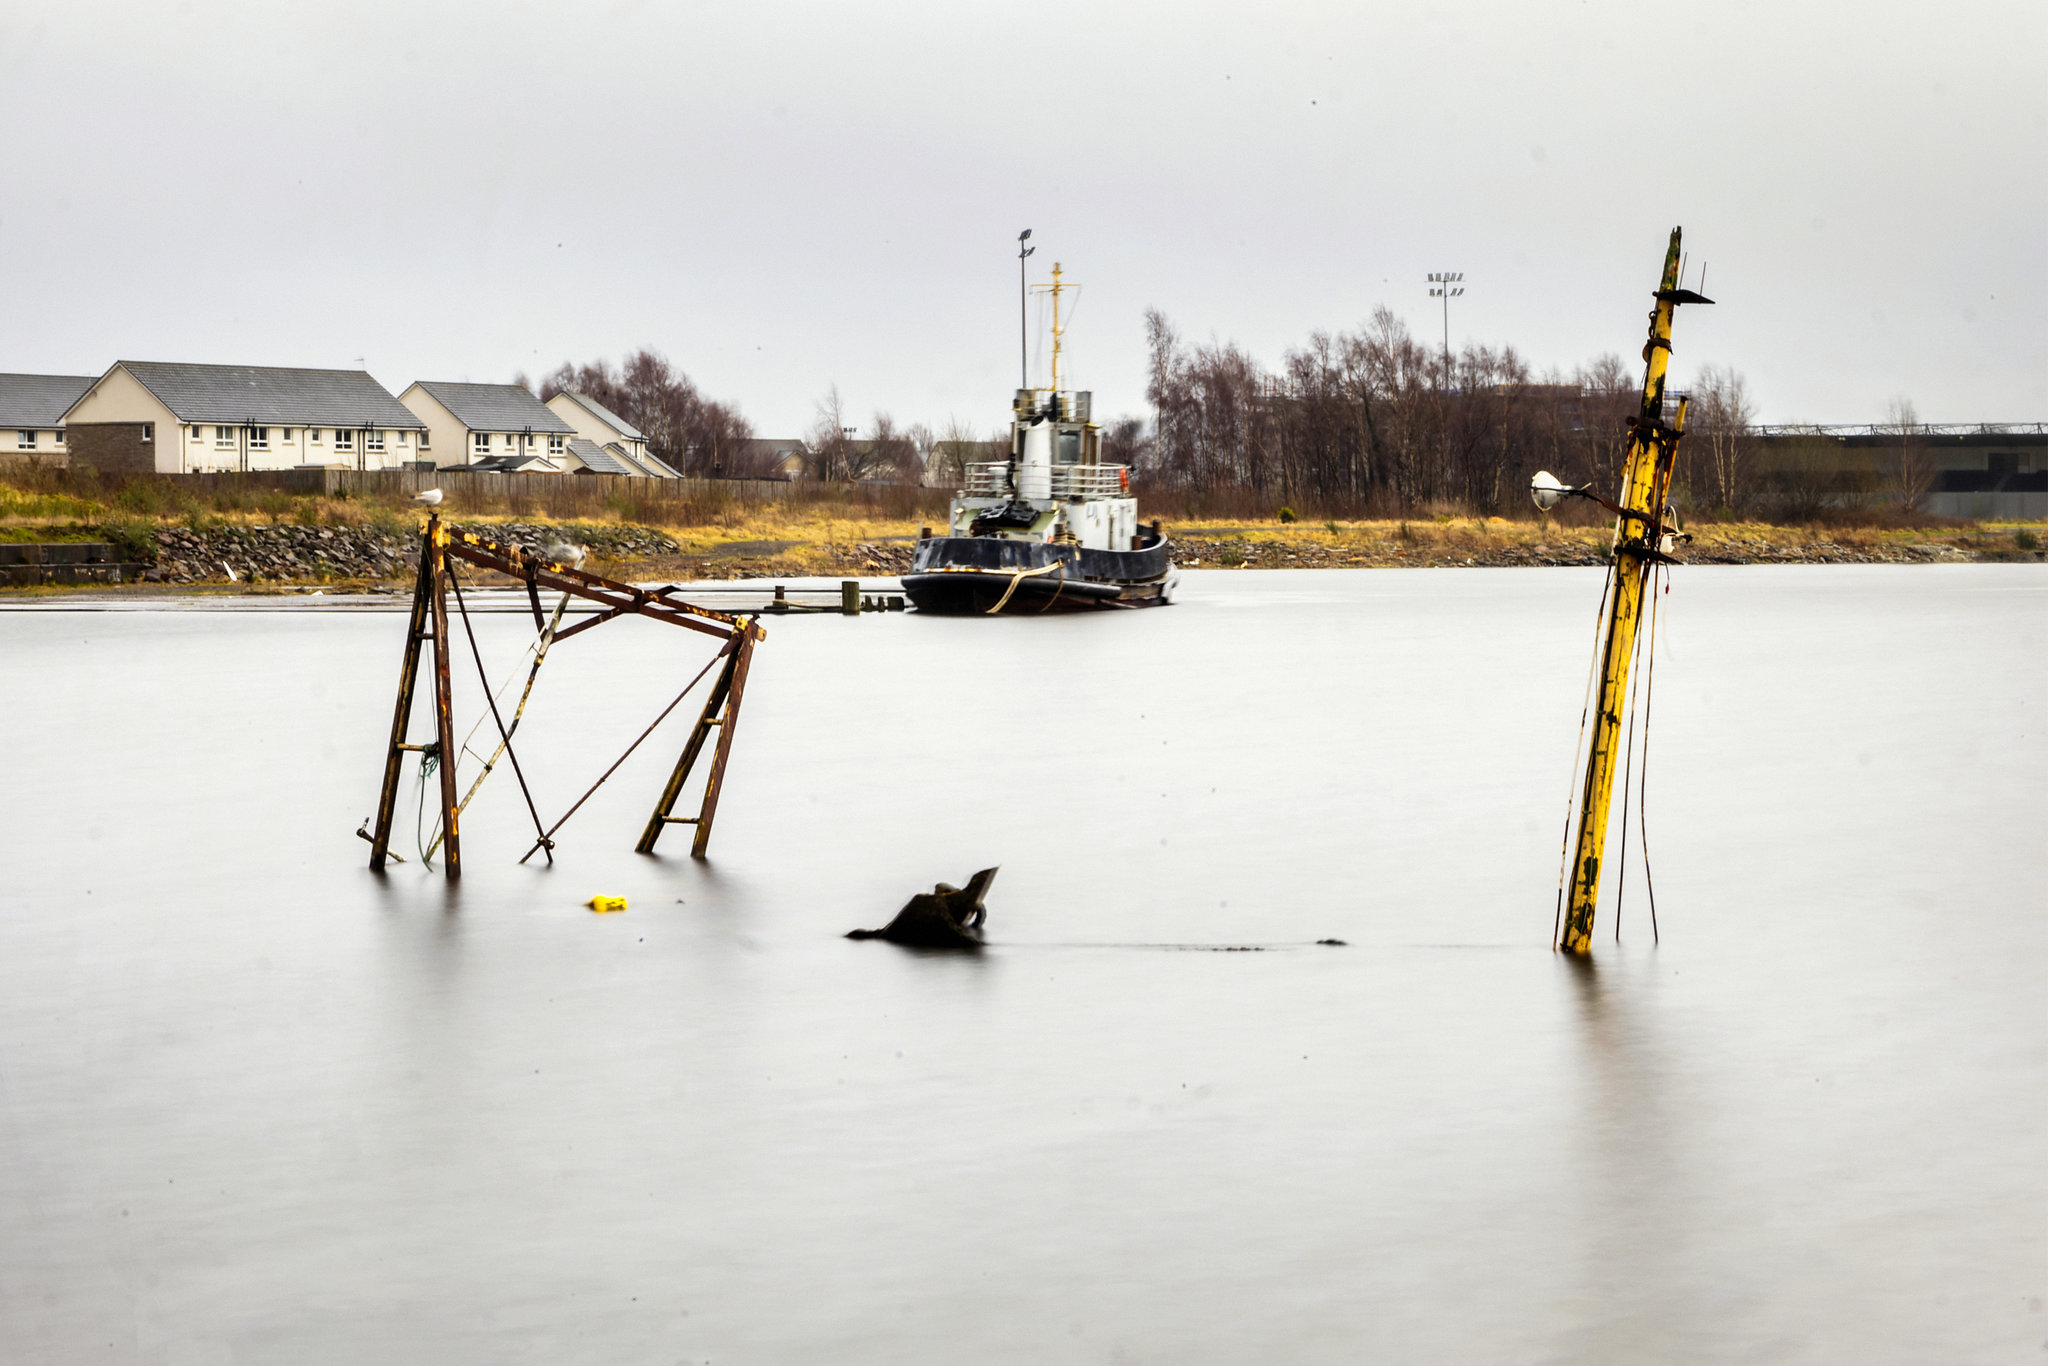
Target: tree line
(687, 431)
(1373, 421)
(1376, 421)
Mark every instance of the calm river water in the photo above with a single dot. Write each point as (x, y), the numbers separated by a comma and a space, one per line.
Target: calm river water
(257, 1105)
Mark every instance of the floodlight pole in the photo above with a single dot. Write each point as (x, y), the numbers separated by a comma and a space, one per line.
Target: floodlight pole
(1023, 312)
(1443, 280)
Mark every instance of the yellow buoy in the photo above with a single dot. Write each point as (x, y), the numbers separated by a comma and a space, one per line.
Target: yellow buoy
(605, 904)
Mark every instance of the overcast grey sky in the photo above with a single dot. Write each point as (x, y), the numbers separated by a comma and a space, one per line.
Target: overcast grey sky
(786, 196)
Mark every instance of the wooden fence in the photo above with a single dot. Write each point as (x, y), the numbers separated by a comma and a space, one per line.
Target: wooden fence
(553, 489)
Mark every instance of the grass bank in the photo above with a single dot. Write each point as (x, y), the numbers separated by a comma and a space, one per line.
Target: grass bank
(837, 529)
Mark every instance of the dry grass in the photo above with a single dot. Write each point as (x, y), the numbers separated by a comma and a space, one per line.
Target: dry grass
(817, 526)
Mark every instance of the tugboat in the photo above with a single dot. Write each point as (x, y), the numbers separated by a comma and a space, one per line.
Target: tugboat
(1050, 529)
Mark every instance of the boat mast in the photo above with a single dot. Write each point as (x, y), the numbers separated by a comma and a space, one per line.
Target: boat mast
(1058, 330)
(1638, 532)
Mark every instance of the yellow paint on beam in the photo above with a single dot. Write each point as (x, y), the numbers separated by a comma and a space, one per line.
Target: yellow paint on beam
(1653, 446)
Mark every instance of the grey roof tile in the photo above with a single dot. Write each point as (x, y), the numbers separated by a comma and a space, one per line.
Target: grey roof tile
(596, 458)
(514, 464)
(495, 407)
(604, 414)
(242, 394)
(646, 460)
(39, 400)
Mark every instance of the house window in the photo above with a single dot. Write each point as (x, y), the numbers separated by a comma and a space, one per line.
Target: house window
(424, 442)
(259, 438)
(554, 444)
(373, 441)
(25, 440)
(148, 432)
(224, 438)
(287, 434)
(57, 437)
(480, 442)
(313, 435)
(195, 433)
(400, 438)
(344, 439)
(526, 439)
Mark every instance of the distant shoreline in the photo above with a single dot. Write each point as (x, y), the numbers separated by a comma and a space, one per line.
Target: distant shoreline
(253, 555)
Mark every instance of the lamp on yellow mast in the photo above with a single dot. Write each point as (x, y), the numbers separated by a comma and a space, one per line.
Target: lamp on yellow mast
(1642, 535)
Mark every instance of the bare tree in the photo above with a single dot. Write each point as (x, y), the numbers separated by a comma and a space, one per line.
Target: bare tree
(1723, 426)
(686, 430)
(1124, 442)
(1909, 468)
(886, 453)
(924, 444)
(829, 442)
(957, 447)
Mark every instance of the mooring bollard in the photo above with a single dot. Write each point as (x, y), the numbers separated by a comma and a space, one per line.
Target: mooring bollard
(849, 597)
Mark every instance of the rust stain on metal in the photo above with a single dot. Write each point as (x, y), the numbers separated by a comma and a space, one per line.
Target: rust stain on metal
(429, 621)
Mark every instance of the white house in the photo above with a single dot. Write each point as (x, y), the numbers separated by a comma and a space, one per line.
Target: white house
(610, 433)
(473, 422)
(174, 417)
(32, 414)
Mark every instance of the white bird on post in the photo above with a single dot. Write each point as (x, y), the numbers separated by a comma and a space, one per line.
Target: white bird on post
(431, 497)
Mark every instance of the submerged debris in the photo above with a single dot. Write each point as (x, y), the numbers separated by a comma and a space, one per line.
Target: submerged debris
(946, 917)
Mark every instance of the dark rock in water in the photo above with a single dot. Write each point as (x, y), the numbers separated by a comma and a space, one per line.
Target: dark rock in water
(946, 917)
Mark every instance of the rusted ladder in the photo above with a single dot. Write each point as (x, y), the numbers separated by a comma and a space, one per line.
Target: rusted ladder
(722, 710)
(430, 598)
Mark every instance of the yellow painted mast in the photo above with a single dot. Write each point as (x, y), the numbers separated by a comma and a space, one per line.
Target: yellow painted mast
(1639, 531)
(1054, 289)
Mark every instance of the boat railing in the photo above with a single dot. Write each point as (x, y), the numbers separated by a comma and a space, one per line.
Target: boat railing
(1066, 481)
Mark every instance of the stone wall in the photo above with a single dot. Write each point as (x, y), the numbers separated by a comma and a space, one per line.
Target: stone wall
(255, 554)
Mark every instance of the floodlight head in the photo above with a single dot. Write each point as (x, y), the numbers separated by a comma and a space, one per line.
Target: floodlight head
(1547, 490)
(1024, 236)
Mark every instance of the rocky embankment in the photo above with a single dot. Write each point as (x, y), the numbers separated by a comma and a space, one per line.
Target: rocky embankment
(301, 554)
(256, 554)
(1207, 552)
(870, 557)
(1232, 553)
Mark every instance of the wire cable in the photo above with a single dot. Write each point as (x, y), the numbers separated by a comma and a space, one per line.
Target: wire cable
(1643, 787)
(1564, 853)
(731, 644)
(1635, 682)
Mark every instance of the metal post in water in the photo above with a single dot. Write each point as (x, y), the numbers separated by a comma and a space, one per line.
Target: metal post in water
(444, 708)
(1638, 532)
(394, 756)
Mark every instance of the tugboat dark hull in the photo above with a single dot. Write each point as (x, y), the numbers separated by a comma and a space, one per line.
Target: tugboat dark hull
(978, 575)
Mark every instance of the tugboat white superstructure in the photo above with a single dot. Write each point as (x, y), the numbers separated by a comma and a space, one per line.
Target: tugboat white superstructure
(1051, 528)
